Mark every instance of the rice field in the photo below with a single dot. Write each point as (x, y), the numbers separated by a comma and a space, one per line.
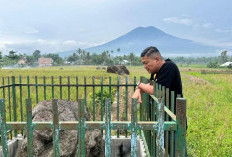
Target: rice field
(209, 100)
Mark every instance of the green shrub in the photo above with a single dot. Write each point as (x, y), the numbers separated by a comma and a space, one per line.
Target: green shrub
(212, 65)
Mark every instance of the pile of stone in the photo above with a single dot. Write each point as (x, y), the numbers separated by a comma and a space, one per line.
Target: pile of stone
(42, 139)
(118, 69)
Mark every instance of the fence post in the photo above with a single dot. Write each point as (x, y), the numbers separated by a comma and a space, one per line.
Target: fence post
(160, 133)
(134, 146)
(55, 127)
(3, 127)
(14, 102)
(108, 128)
(81, 128)
(30, 148)
(144, 113)
(181, 127)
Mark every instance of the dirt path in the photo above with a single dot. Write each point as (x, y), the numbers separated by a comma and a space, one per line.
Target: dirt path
(122, 102)
(196, 80)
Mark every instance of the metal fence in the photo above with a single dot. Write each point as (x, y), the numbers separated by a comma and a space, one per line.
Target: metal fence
(162, 130)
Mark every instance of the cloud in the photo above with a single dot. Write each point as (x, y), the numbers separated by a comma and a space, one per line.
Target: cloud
(187, 21)
(45, 46)
(31, 31)
(70, 42)
(207, 25)
(178, 20)
(224, 30)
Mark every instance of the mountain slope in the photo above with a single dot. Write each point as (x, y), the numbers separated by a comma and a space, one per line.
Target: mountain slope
(142, 37)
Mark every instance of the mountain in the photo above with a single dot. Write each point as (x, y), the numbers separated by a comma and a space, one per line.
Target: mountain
(142, 37)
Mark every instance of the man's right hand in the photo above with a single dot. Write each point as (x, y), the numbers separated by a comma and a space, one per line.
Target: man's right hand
(137, 95)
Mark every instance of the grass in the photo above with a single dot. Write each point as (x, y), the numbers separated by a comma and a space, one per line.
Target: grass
(209, 109)
(209, 105)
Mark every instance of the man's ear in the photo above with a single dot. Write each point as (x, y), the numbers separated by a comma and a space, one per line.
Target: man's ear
(157, 58)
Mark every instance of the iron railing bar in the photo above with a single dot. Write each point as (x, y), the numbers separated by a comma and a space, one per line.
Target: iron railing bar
(7, 86)
(71, 125)
(169, 112)
(55, 128)
(29, 127)
(145, 144)
(74, 85)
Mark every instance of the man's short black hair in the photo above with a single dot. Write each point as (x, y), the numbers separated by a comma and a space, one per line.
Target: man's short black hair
(150, 51)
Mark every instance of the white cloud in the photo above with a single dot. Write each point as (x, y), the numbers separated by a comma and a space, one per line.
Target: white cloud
(207, 25)
(187, 21)
(31, 31)
(45, 46)
(224, 30)
(70, 42)
(178, 20)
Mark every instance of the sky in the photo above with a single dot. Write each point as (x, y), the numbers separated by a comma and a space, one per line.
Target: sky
(57, 26)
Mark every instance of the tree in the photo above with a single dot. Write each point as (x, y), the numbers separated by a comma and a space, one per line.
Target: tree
(132, 57)
(224, 56)
(87, 58)
(212, 65)
(73, 58)
(0, 55)
(13, 55)
(36, 54)
(118, 49)
(30, 60)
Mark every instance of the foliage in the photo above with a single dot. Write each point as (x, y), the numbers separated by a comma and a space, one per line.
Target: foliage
(0, 55)
(224, 56)
(105, 94)
(73, 58)
(13, 55)
(36, 55)
(212, 65)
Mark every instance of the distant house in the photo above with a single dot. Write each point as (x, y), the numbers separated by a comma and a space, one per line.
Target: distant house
(22, 61)
(45, 61)
(124, 62)
(226, 64)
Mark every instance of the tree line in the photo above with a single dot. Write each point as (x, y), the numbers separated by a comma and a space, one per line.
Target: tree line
(82, 57)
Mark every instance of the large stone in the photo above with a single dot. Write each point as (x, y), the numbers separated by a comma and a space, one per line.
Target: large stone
(42, 139)
(118, 69)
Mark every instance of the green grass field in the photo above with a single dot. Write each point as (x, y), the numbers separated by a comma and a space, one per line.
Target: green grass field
(209, 102)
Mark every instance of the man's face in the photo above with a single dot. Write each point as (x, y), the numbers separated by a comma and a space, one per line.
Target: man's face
(150, 64)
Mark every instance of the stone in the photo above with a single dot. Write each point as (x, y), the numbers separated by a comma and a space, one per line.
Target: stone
(42, 139)
(118, 69)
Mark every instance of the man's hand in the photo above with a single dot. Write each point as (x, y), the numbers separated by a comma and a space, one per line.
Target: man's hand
(137, 95)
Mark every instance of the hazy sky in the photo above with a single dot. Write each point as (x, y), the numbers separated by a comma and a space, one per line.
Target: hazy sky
(61, 25)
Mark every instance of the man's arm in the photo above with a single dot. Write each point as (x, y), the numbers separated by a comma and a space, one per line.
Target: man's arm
(143, 88)
(146, 88)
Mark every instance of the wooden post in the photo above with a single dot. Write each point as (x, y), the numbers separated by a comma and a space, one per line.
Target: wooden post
(181, 127)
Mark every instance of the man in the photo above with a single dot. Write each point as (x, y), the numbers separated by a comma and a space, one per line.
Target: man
(164, 72)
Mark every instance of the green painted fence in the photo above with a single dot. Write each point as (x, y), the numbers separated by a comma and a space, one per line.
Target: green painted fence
(155, 120)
